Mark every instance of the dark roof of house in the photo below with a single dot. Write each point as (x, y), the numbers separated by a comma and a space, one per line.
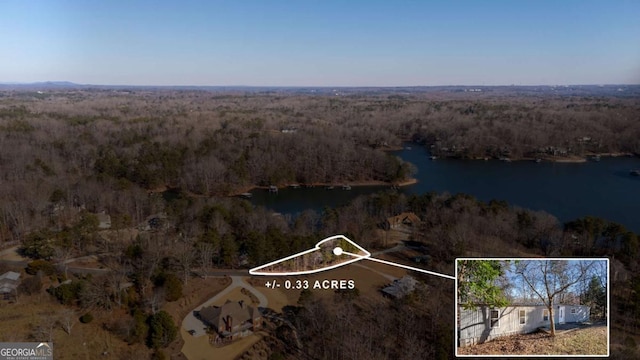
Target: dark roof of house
(237, 310)
(405, 217)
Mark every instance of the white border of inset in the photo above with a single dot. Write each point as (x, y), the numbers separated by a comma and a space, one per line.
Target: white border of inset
(455, 304)
(255, 270)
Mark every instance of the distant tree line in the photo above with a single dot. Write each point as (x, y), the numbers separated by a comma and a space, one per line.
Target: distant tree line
(76, 144)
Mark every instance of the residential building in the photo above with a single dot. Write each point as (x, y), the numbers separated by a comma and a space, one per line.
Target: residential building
(9, 282)
(475, 326)
(232, 320)
(400, 288)
(403, 220)
(104, 220)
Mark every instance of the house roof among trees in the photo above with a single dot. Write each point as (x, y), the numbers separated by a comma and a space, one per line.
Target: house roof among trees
(9, 281)
(400, 288)
(11, 275)
(238, 311)
(104, 220)
(404, 218)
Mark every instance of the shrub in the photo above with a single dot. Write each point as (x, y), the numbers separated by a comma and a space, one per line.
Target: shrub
(37, 245)
(276, 356)
(159, 355)
(162, 330)
(171, 284)
(140, 330)
(86, 318)
(67, 294)
(173, 287)
(31, 285)
(45, 266)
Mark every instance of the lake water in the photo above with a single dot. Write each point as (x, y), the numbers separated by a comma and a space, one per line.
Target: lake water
(567, 190)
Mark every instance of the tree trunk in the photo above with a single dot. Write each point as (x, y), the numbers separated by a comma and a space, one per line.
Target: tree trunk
(552, 324)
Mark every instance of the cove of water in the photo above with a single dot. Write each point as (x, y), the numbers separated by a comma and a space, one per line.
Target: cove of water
(603, 188)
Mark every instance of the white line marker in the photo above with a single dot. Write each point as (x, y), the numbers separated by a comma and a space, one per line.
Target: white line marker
(338, 251)
(257, 270)
(401, 266)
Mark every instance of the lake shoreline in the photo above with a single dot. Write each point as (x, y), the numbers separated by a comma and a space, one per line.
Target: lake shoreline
(602, 188)
(555, 159)
(250, 188)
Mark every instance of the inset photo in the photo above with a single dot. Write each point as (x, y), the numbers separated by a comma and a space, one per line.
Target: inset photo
(537, 307)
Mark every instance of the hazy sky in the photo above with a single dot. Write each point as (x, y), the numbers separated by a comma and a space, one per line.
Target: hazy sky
(321, 43)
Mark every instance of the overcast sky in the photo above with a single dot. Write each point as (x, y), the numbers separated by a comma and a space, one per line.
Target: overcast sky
(321, 43)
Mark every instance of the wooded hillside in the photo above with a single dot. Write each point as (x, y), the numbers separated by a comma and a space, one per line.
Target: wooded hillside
(68, 158)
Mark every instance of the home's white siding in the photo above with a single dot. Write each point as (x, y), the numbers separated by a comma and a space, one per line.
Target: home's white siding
(582, 313)
(475, 325)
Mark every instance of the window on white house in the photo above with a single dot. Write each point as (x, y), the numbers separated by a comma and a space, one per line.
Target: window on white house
(523, 317)
(574, 311)
(545, 315)
(495, 318)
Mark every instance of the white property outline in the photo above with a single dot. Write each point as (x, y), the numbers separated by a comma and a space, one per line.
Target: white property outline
(255, 270)
(401, 266)
(337, 251)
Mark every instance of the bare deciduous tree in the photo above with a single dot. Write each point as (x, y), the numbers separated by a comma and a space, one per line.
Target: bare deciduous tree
(43, 331)
(68, 318)
(205, 252)
(186, 255)
(548, 279)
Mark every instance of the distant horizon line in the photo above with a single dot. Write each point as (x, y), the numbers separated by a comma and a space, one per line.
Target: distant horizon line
(70, 84)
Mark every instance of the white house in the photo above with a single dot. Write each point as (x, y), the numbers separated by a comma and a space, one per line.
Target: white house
(400, 288)
(104, 220)
(487, 323)
(9, 282)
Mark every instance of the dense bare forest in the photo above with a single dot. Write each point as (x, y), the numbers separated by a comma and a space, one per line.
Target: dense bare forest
(81, 142)
(67, 156)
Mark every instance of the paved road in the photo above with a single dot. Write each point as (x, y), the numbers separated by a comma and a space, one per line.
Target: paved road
(9, 250)
(89, 270)
(224, 272)
(190, 322)
(71, 268)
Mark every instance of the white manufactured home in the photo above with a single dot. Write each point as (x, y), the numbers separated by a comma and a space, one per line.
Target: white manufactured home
(486, 323)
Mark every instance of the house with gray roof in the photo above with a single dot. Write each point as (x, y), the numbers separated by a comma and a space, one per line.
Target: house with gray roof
(400, 288)
(232, 320)
(9, 282)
